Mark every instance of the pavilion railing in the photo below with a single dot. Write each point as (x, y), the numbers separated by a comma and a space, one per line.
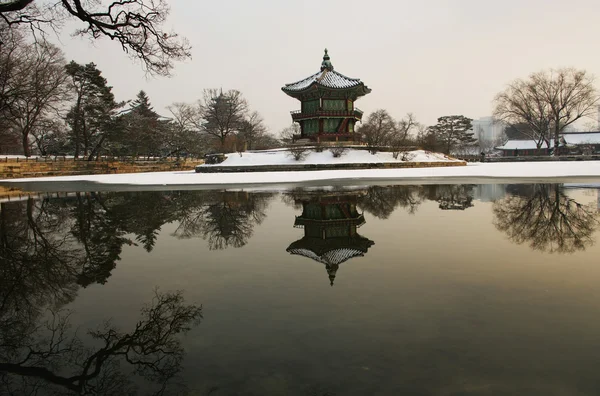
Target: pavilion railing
(299, 114)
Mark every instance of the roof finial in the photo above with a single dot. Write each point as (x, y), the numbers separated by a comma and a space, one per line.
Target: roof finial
(326, 64)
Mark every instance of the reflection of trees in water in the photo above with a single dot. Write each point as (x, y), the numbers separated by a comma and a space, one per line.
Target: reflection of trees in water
(224, 218)
(48, 249)
(546, 218)
(382, 201)
(452, 196)
(47, 357)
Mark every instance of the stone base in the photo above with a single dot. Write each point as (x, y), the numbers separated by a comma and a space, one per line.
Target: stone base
(318, 167)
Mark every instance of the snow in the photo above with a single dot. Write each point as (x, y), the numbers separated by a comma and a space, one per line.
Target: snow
(282, 157)
(326, 78)
(582, 138)
(523, 145)
(532, 171)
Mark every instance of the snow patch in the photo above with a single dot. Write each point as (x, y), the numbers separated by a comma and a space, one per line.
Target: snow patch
(351, 156)
(512, 170)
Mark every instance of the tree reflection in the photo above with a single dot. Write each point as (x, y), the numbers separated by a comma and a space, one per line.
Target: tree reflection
(546, 218)
(451, 197)
(49, 358)
(224, 218)
(382, 201)
(49, 248)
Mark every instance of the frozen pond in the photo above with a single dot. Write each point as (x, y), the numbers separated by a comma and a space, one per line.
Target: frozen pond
(372, 290)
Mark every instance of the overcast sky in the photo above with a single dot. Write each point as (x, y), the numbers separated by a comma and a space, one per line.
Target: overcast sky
(432, 58)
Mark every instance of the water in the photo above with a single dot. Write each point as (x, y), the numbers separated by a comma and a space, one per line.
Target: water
(400, 290)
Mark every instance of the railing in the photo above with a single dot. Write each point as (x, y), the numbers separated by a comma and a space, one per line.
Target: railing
(299, 114)
(537, 158)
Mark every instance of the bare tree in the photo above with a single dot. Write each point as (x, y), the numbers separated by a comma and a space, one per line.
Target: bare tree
(547, 102)
(222, 113)
(378, 129)
(288, 134)
(182, 133)
(40, 89)
(570, 95)
(252, 129)
(401, 137)
(135, 24)
(50, 135)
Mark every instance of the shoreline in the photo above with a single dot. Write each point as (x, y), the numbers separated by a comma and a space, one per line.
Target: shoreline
(478, 173)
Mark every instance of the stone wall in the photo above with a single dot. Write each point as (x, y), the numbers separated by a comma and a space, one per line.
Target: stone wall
(317, 167)
(12, 168)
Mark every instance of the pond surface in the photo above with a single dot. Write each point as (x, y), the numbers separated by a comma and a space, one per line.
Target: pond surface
(398, 290)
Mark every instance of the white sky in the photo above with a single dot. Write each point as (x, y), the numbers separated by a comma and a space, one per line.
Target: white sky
(432, 58)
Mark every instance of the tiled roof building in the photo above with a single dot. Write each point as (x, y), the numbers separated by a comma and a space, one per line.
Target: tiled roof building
(327, 104)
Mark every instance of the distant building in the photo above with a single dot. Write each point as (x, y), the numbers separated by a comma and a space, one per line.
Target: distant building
(488, 130)
(519, 148)
(327, 111)
(585, 143)
(489, 192)
(582, 142)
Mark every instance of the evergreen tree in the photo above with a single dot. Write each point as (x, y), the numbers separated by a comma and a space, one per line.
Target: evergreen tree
(453, 131)
(92, 117)
(142, 128)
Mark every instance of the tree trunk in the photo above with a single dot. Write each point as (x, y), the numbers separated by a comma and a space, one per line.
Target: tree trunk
(86, 141)
(26, 148)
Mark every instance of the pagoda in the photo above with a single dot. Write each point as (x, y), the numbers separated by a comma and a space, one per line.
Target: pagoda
(327, 99)
(330, 222)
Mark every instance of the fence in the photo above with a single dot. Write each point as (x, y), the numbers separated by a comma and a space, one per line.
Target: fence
(481, 158)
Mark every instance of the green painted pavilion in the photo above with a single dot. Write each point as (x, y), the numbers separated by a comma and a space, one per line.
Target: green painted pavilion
(327, 99)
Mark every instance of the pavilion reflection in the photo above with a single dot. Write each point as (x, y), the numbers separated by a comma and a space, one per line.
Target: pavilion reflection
(330, 221)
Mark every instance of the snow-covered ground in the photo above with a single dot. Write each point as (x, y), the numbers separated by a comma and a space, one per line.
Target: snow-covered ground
(283, 157)
(486, 172)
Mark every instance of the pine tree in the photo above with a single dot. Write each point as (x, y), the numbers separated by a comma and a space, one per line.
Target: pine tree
(92, 116)
(453, 131)
(142, 127)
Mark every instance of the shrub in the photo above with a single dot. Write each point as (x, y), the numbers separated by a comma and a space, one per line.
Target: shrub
(298, 153)
(338, 151)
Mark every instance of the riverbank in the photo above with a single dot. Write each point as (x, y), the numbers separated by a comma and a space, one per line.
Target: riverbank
(21, 167)
(478, 173)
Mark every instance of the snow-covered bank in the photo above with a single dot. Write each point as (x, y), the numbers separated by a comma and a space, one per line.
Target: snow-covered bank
(488, 171)
(351, 156)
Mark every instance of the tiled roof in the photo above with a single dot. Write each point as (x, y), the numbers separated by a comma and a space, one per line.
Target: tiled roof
(522, 145)
(325, 78)
(332, 257)
(582, 138)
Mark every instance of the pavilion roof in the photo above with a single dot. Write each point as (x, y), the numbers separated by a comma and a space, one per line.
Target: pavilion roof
(328, 78)
(332, 257)
(324, 78)
(331, 251)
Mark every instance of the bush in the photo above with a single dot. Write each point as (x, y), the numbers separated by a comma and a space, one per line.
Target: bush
(298, 153)
(407, 156)
(338, 151)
